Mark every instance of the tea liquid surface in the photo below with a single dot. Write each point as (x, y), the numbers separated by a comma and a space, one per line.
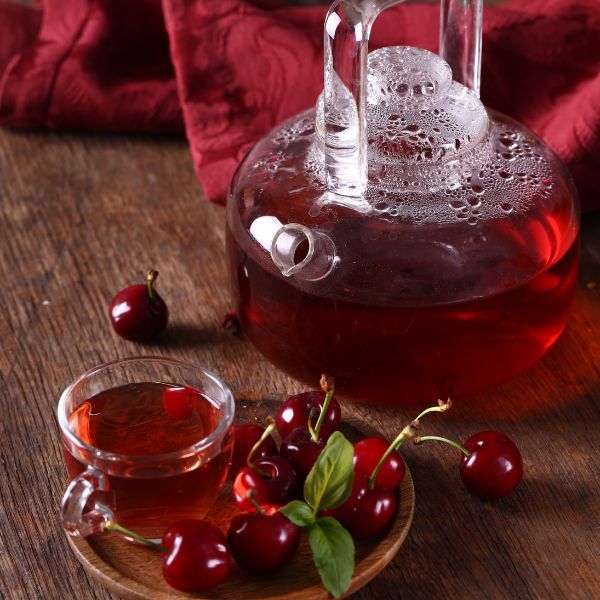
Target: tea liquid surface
(132, 419)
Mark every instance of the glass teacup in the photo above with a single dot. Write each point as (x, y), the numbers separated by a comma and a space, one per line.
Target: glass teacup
(147, 441)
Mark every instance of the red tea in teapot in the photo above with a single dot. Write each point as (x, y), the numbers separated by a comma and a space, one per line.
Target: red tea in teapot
(405, 354)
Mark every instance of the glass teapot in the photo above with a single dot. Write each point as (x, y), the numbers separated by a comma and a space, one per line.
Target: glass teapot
(400, 237)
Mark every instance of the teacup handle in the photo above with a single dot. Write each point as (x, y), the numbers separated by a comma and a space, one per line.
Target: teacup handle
(75, 520)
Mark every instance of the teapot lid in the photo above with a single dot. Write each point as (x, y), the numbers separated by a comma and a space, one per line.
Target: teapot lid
(415, 111)
(422, 128)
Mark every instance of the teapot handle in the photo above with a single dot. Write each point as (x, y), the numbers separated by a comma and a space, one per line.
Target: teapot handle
(347, 29)
(460, 40)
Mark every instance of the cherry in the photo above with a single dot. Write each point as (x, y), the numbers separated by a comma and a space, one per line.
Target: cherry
(301, 450)
(367, 454)
(177, 401)
(494, 468)
(262, 540)
(244, 438)
(297, 410)
(273, 481)
(138, 313)
(490, 465)
(195, 553)
(367, 511)
(231, 322)
(303, 444)
(197, 559)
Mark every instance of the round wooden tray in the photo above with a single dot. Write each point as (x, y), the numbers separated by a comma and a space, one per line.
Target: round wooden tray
(135, 572)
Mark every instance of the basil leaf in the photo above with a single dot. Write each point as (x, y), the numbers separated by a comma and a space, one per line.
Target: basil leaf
(299, 513)
(329, 482)
(333, 554)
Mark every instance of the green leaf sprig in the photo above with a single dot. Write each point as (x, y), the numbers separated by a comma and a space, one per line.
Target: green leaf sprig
(328, 485)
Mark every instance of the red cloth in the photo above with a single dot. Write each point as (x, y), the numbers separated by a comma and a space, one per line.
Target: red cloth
(229, 70)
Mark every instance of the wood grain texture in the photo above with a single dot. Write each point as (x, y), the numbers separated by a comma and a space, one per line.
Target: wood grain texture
(82, 216)
(135, 573)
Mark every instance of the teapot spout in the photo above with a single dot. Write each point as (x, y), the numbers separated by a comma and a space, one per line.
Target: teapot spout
(307, 254)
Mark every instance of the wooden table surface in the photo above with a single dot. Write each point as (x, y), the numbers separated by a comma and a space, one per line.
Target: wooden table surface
(82, 216)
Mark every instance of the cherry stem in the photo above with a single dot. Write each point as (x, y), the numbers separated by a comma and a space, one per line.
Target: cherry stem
(150, 279)
(266, 433)
(426, 438)
(441, 407)
(327, 387)
(250, 497)
(408, 432)
(112, 526)
(311, 429)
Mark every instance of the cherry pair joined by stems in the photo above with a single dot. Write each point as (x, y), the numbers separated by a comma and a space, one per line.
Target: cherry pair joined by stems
(378, 471)
(138, 313)
(272, 479)
(377, 459)
(195, 553)
(262, 540)
(302, 441)
(490, 466)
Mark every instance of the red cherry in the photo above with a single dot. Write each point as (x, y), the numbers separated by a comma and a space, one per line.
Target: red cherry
(300, 449)
(367, 510)
(262, 543)
(231, 322)
(244, 438)
(295, 411)
(178, 401)
(272, 480)
(138, 313)
(367, 453)
(198, 557)
(495, 466)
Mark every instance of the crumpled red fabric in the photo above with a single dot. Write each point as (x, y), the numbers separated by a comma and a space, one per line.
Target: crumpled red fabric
(229, 70)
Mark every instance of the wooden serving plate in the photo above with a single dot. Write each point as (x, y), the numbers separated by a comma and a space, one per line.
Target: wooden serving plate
(135, 572)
